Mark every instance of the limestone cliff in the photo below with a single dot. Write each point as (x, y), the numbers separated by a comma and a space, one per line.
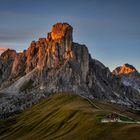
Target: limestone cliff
(57, 64)
(46, 53)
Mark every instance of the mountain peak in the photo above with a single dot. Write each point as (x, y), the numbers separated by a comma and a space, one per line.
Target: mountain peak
(125, 69)
(2, 50)
(57, 64)
(47, 53)
(60, 30)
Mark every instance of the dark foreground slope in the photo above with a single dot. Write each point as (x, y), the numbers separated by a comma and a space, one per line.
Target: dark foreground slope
(66, 117)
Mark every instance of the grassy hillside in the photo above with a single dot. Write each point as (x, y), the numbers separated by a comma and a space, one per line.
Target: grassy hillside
(68, 117)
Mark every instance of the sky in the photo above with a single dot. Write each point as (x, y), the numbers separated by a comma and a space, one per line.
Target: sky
(109, 28)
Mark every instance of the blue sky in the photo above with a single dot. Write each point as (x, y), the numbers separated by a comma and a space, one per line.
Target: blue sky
(109, 28)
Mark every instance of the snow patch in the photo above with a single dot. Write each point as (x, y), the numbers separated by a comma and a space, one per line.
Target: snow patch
(116, 94)
(123, 102)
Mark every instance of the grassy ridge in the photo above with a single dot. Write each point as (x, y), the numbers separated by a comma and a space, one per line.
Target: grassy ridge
(67, 117)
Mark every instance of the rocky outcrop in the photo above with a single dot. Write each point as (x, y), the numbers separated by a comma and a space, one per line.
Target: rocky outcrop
(2, 50)
(109, 86)
(46, 53)
(125, 69)
(57, 64)
(129, 76)
(6, 63)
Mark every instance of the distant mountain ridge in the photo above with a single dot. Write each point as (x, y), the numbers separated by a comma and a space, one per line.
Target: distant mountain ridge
(125, 69)
(129, 75)
(57, 64)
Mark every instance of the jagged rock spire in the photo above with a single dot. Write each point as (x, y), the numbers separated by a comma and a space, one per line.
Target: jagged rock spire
(47, 53)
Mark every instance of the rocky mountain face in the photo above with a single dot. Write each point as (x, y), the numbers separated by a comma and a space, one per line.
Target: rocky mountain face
(57, 64)
(2, 50)
(129, 76)
(125, 69)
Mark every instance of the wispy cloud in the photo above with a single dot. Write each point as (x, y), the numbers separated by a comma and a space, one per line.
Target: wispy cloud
(8, 35)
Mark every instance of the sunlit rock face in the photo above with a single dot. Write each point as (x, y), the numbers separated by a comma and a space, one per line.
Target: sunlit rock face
(52, 51)
(61, 30)
(48, 53)
(125, 69)
(56, 64)
(2, 50)
(129, 76)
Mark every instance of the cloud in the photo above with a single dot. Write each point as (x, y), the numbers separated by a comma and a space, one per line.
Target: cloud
(8, 36)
